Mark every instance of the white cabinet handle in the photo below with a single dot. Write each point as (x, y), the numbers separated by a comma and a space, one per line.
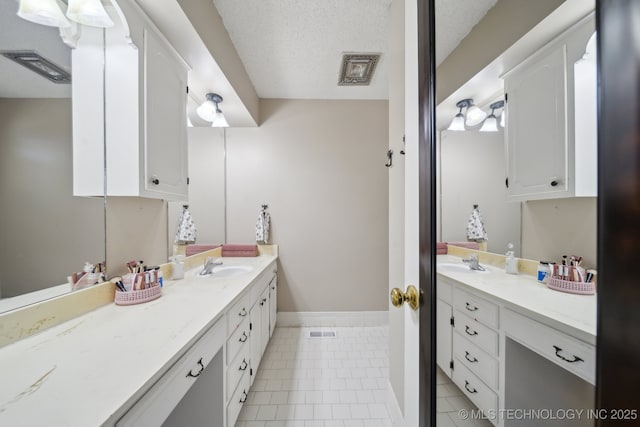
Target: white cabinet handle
(243, 312)
(197, 374)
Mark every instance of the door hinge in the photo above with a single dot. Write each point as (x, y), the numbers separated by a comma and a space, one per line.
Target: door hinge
(250, 372)
(506, 97)
(453, 322)
(187, 180)
(187, 89)
(250, 326)
(506, 182)
(451, 364)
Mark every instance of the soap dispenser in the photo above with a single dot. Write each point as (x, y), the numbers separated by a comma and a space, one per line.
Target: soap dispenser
(510, 262)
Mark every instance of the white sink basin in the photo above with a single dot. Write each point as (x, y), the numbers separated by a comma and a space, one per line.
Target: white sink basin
(458, 268)
(228, 271)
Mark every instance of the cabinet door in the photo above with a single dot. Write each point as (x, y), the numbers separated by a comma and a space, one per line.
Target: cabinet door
(264, 320)
(444, 336)
(165, 122)
(536, 127)
(255, 339)
(273, 304)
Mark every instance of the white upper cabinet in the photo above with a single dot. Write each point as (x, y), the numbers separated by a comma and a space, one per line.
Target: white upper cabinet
(145, 124)
(549, 154)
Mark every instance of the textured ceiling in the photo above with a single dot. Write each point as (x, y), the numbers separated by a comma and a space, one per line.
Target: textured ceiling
(293, 48)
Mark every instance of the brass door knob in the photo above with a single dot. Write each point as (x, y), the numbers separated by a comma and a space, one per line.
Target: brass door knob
(412, 297)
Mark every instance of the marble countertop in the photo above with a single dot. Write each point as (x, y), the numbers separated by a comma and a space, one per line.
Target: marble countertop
(572, 314)
(90, 370)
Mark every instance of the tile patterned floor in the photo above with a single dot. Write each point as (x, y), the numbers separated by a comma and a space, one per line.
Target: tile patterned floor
(334, 382)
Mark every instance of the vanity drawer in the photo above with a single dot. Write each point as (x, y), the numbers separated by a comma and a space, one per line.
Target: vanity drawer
(239, 340)
(476, 360)
(568, 352)
(482, 336)
(444, 290)
(475, 307)
(237, 400)
(478, 392)
(158, 403)
(237, 368)
(238, 312)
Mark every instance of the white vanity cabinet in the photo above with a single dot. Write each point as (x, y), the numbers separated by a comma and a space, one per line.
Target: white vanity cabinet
(473, 329)
(263, 304)
(544, 157)
(169, 399)
(145, 124)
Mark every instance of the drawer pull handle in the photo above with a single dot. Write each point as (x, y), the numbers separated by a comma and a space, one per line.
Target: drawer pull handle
(575, 358)
(243, 312)
(243, 338)
(197, 374)
(469, 357)
(470, 307)
(469, 331)
(244, 396)
(470, 390)
(244, 365)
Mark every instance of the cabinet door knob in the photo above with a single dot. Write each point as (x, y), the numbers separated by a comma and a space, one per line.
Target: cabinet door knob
(243, 312)
(244, 365)
(554, 183)
(155, 180)
(244, 396)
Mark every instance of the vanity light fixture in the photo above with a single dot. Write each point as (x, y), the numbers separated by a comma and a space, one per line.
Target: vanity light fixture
(474, 115)
(44, 12)
(210, 111)
(491, 122)
(457, 124)
(49, 12)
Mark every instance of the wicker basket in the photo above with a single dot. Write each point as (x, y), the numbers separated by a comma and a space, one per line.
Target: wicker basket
(582, 288)
(138, 297)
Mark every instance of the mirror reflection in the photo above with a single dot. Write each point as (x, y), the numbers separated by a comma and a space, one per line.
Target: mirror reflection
(46, 232)
(533, 179)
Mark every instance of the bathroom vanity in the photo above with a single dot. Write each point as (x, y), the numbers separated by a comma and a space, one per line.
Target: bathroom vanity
(486, 318)
(189, 355)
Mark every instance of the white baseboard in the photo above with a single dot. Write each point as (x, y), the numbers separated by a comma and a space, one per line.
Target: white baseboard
(333, 318)
(395, 413)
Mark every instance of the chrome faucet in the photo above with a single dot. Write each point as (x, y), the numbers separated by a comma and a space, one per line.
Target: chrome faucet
(473, 262)
(209, 264)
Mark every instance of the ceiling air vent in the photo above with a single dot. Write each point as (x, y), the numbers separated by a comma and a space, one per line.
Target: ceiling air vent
(357, 68)
(36, 63)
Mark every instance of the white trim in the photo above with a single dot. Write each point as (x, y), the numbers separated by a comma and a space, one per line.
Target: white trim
(333, 318)
(397, 420)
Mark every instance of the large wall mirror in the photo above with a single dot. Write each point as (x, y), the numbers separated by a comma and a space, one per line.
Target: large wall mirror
(45, 232)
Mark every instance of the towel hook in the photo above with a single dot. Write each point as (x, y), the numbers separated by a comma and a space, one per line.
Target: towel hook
(389, 158)
(265, 206)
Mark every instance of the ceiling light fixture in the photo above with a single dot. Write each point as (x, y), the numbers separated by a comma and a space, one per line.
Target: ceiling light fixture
(49, 12)
(210, 111)
(457, 124)
(491, 122)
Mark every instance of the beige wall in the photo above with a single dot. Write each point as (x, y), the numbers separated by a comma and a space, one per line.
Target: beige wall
(136, 230)
(552, 228)
(46, 233)
(396, 195)
(319, 165)
(206, 187)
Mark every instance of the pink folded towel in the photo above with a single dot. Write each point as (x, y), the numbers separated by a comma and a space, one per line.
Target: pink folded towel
(196, 249)
(441, 248)
(468, 245)
(239, 250)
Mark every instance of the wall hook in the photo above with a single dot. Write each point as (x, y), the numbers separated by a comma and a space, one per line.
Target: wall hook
(389, 158)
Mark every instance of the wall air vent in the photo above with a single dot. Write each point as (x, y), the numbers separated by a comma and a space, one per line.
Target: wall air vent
(36, 63)
(357, 68)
